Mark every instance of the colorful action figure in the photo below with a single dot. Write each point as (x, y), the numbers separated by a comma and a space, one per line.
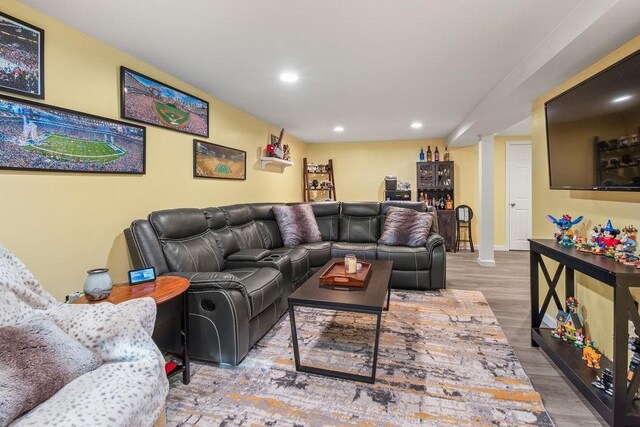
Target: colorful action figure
(604, 381)
(564, 235)
(591, 355)
(568, 324)
(608, 239)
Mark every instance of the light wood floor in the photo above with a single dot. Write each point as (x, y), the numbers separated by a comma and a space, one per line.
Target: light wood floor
(506, 288)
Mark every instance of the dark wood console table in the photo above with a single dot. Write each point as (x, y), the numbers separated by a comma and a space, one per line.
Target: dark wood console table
(620, 409)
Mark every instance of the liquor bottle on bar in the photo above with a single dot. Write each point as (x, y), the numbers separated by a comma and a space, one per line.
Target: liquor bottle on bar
(446, 155)
(429, 158)
(448, 202)
(436, 155)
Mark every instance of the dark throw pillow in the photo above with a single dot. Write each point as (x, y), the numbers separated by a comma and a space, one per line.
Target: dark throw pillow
(297, 224)
(406, 227)
(38, 359)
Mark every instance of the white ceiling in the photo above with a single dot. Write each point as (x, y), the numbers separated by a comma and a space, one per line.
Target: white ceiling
(522, 128)
(371, 66)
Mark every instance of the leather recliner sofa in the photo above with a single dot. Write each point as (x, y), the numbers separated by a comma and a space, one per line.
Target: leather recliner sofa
(241, 274)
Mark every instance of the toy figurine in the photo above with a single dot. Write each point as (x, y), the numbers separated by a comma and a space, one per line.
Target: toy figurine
(568, 322)
(583, 244)
(630, 231)
(564, 235)
(591, 355)
(625, 249)
(579, 339)
(609, 236)
(604, 381)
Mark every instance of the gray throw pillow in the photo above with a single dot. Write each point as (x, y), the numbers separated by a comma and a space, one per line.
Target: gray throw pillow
(406, 227)
(297, 224)
(38, 359)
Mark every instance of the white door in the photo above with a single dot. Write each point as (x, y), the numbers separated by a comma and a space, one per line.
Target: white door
(518, 194)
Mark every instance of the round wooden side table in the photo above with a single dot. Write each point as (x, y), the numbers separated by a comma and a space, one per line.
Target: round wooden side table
(163, 290)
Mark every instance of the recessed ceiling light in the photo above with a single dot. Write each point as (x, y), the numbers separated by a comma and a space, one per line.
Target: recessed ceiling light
(416, 125)
(289, 77)
(622, 98)
(338, 129)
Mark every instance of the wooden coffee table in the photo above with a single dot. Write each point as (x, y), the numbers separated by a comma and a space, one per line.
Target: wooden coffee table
(165, 291)
(370, 300)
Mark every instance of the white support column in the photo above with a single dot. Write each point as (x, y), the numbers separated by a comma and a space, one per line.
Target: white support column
(485, 202)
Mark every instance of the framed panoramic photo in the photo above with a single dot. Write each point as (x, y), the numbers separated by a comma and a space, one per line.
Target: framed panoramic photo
(35, 136)
(216, 161)
(21, 57)
(146, 100)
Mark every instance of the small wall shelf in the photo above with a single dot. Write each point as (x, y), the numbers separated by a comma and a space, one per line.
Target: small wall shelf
(264, 161)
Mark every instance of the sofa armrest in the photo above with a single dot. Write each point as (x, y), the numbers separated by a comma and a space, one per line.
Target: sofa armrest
(434, 240)
(214, 280)
(249, 255)
(281, 263)
(438, 268)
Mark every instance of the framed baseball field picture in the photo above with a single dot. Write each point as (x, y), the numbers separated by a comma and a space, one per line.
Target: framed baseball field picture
(146, 100)
(217, 161)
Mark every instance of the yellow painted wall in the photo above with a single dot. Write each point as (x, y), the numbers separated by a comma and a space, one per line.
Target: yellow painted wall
(360, 168)
(62, 224)
(597, 207)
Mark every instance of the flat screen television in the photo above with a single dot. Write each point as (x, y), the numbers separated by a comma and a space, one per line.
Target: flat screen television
(593, 131)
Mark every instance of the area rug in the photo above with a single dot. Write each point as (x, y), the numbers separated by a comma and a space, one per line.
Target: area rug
(443, 360)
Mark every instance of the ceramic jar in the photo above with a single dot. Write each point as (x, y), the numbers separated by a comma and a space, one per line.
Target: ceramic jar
(98, 284)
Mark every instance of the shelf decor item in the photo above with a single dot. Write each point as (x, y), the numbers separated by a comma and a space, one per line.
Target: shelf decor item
(216, 161)
(564, 235)
(22, 57)
(276, 149)
(98, 285)
(43, 137)
(146, 100)
(591, 355)
(609, 237)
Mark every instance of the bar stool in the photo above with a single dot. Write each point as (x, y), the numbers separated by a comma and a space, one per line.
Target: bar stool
(464, 214)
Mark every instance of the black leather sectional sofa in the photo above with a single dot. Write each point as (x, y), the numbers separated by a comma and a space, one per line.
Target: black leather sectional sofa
(241, 274)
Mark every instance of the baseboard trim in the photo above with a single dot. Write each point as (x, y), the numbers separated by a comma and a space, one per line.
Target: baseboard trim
(486, 262)
(549, 320)
(499, 248)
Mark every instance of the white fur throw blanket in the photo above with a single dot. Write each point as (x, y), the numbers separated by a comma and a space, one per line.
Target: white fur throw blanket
(130, 387)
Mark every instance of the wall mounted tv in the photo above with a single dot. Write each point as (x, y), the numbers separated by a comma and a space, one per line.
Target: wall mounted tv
(593, 131)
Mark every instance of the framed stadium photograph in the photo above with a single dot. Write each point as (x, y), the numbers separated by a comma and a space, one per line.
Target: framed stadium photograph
(40, 137)
(146, 100)
(216, 161)
(21, 57)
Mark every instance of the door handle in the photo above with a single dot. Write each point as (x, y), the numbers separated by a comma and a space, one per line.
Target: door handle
(513, 205)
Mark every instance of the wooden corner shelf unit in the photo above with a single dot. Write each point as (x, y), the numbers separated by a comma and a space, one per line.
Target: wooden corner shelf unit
(323, 173)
